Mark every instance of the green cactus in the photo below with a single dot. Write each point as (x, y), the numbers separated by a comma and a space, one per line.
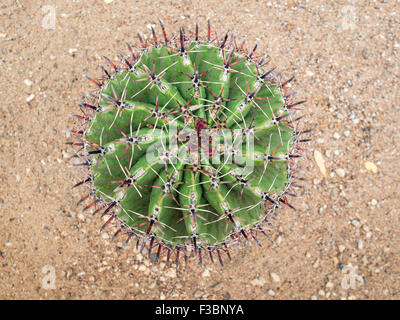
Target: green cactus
(190, 145)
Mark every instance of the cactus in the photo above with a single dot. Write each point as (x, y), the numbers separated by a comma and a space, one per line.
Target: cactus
(190, 144)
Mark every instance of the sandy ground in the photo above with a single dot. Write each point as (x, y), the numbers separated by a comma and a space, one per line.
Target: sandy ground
(341, 243)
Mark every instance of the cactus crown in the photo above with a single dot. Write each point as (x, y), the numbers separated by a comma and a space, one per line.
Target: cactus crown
(190, 144)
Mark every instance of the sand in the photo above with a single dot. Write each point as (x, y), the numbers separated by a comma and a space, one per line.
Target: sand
(341, 243)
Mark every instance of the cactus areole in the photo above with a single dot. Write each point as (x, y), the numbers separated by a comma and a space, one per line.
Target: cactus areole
(189, 144)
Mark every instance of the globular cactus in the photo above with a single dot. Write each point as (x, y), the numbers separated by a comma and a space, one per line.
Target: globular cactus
(190, 145)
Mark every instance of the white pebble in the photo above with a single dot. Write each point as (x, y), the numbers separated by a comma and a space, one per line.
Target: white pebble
(171, 273)
(275, 277)
(105, 235)
(142, 267)
(271, 292)
(30, 98)
(355, 223)
(206, 273)
(257, 282)
(328, 153)
(28, 82)
(336, 135)
(319, 159)
(340, 172)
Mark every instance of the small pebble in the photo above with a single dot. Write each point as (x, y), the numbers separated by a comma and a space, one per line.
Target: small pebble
(171, 273)
(142, 267)
(365, 53)
(28, 82)
(30, 98)
(340, 172)
(328, 153)
(355, 223)
(257, 282)
(336, 135)
(206, 273)
(319, 159)
(275, 277)
(370, 166)
(271, 292)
